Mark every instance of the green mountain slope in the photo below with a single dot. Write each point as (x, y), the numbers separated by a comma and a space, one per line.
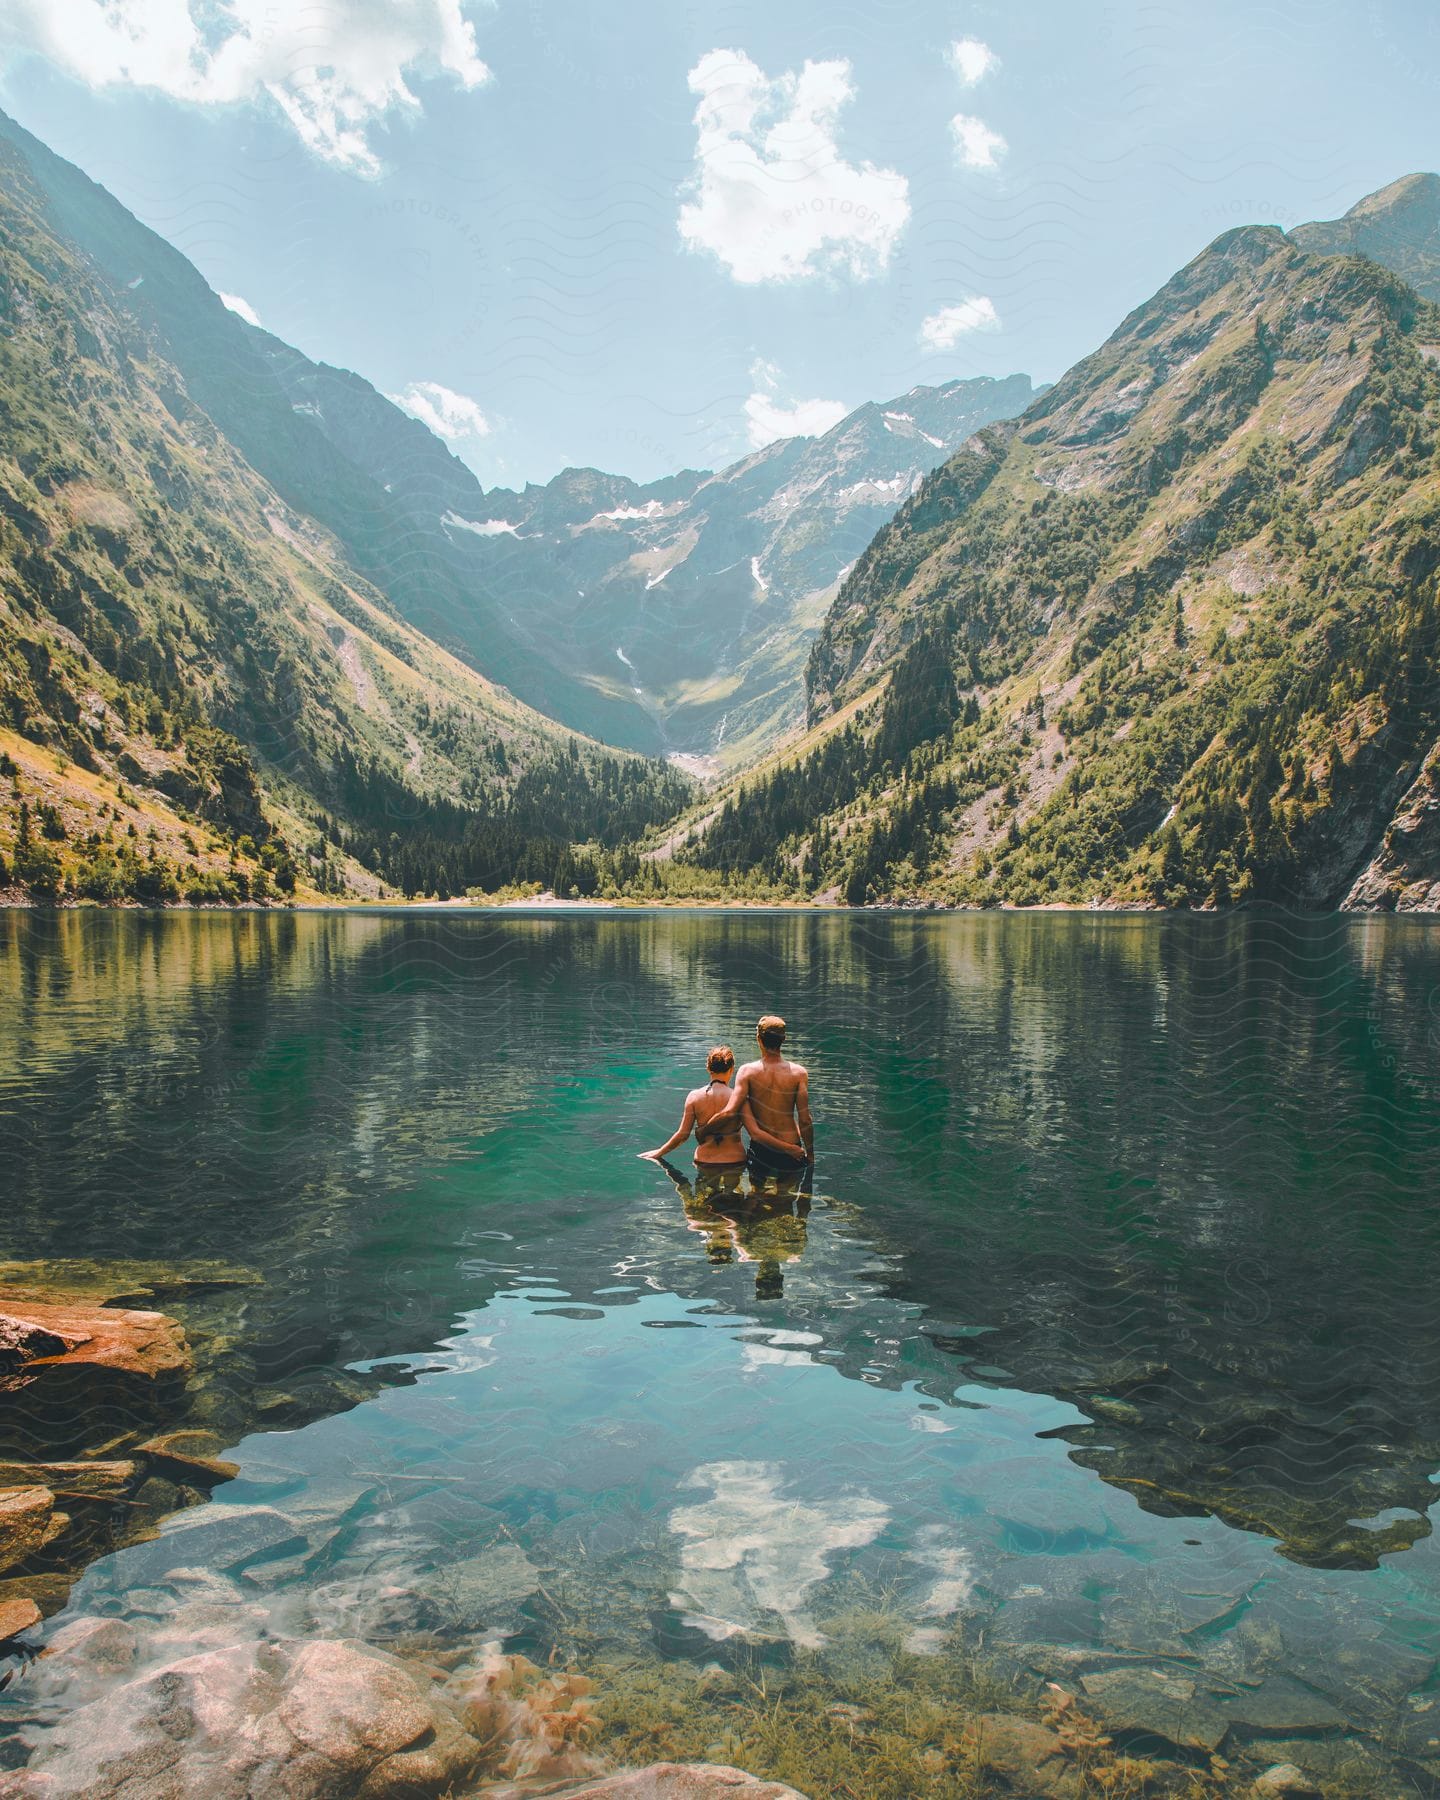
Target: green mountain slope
(1169, 638)
(233, 374)
(190, 666)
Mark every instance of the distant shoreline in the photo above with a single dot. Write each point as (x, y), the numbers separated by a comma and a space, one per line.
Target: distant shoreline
(539, 907)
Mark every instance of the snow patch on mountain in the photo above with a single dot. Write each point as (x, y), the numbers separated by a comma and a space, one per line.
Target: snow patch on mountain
(874, 491)
(481, 527)
(903, 418)
(624, 514)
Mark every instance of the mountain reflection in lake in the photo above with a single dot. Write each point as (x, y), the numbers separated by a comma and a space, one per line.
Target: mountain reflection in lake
(1111, 1325)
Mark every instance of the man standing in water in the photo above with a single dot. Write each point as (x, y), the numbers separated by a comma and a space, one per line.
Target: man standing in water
(782, 1142)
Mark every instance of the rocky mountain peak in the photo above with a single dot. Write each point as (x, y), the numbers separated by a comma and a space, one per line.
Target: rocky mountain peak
(1397, 226)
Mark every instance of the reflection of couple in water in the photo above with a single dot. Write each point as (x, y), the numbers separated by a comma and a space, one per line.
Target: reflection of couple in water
(771, 1104)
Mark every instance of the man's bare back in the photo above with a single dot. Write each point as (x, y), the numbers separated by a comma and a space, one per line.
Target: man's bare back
(779, 1095)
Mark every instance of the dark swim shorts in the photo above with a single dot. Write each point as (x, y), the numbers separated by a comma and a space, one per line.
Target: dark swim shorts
(762, 1160)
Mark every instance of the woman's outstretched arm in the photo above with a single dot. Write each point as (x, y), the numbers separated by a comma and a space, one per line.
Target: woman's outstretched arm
(682, 1131)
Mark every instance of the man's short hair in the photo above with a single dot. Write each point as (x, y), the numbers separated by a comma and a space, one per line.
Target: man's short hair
(771, 1031)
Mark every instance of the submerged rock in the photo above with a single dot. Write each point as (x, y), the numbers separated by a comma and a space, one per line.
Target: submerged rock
(1120, 1412)
(485, 1592)
(189, 1456)
(219, 1537)
(1346, 1765)
(98, 1643)
(1285, 1778)
(120, 1283)
(326, 1720)
(671, 1781)
(1030, 1758)
(1163, 1702)
(1280, 1707)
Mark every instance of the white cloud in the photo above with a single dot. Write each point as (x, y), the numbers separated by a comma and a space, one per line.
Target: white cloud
(976, 145)
(751, 1553)
(768, 418)
(246, 311)
(448, 414)
(941, 330)
(971, 60)
(334, 68)
(771, 195)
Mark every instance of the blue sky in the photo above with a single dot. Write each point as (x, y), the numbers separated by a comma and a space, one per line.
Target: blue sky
(646, 236)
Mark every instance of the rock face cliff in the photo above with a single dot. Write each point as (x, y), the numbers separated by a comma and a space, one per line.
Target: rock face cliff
(1167, 638)
(1404, 873)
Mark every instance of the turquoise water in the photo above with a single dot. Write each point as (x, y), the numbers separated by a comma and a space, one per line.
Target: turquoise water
(1107, 1338)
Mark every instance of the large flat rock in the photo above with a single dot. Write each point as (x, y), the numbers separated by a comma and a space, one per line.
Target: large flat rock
(220, 1537)
(17, 1616)
(28, 1521)
(92, 1480)
(73, 1334)
(1167, 1702)
(188, 1456)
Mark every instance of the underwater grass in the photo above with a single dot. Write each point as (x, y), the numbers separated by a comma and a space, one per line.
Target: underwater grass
(862, 1717)
(904, 1730)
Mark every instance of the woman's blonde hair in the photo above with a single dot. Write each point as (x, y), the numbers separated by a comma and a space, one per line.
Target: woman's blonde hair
(721, 1060)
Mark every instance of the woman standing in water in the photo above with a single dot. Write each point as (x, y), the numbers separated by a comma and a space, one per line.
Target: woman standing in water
(724, 1153)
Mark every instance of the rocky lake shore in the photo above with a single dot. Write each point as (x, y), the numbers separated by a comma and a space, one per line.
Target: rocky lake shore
(206, 1673)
